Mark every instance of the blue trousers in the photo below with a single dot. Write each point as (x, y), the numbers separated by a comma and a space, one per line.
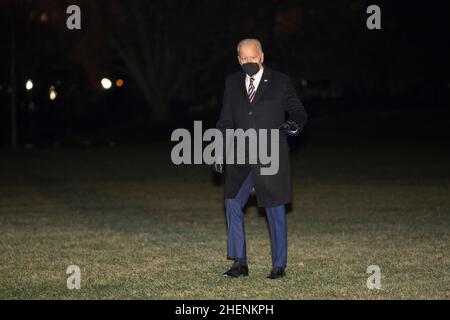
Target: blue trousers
(276, 216)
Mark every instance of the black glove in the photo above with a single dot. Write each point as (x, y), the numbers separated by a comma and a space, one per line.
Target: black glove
(290, 127)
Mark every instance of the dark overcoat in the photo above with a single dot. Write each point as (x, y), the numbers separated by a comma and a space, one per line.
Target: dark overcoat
(274, 99)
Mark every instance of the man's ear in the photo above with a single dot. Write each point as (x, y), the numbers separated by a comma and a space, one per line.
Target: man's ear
(262, 58)
(239, 60)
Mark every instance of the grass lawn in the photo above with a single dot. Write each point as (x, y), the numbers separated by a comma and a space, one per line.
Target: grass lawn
(141, 228)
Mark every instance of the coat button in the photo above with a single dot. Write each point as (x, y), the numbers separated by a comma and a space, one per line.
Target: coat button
(250, 113)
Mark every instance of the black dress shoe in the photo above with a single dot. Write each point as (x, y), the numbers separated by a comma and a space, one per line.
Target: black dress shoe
(237, 270)
(276, 273)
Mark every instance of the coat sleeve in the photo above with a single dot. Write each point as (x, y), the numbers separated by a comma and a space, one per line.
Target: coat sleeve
(293, 106)
(226, 117)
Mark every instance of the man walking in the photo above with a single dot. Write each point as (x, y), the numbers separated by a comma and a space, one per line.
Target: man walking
(258, 98)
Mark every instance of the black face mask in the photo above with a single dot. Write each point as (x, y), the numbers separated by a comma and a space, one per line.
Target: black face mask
(250, 68)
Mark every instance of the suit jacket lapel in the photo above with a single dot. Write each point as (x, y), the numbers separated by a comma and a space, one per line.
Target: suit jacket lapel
(263, 83)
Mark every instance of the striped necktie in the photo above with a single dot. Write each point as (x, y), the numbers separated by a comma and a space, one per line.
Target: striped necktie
(251, 90)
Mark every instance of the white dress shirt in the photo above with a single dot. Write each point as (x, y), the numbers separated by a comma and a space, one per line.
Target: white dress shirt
(257, 76)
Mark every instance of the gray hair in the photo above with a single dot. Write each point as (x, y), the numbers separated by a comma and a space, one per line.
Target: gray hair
(249, 40)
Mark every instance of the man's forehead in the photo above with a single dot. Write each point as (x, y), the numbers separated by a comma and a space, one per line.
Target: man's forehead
(249, 49)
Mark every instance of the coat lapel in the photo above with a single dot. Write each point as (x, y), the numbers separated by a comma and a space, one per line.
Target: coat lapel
(243, 87)
(263, 83)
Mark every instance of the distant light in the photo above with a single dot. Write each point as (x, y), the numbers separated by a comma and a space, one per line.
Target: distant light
(29, 85)
(106, 83)
(44, 17)
(119, 82)
(52, 93)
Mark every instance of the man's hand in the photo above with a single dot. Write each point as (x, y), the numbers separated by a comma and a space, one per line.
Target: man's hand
(290, 127)
(218, 165)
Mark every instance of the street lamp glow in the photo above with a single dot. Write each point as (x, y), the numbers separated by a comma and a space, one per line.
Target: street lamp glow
(106, 83)
(119, 82)
(52, 93)
(29, 85)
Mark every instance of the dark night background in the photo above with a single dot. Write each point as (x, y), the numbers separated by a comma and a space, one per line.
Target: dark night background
(87, 178)
(173, 57)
